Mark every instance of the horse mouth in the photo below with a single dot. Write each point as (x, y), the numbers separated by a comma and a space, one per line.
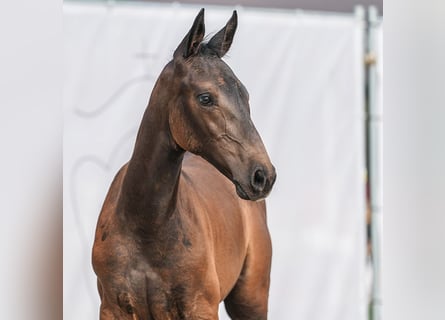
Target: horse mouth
(244, 195)
(240, 191)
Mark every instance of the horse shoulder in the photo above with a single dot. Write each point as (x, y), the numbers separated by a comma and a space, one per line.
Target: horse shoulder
(106, 237)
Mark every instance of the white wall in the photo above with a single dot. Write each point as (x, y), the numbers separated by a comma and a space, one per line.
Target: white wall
(305, 78)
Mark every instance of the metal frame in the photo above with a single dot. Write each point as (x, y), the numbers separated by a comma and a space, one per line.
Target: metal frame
(374, 147)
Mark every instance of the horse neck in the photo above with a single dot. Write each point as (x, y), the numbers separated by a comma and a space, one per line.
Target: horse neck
(149, 189)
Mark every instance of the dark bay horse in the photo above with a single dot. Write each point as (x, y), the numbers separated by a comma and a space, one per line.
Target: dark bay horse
(183, 226)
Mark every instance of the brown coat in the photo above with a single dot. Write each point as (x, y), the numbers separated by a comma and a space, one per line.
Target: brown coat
(178, 234)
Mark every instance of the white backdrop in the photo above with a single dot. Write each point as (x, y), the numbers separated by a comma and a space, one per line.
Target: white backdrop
(304, 74)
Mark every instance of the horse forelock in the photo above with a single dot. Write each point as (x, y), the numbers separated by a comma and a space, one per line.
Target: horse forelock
(206, 50)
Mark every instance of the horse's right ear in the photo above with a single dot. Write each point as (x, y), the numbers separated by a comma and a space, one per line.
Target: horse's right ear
(193, 38)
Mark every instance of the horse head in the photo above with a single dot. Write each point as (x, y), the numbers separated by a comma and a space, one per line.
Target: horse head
(209, 112)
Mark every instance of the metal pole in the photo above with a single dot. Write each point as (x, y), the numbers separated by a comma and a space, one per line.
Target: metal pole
(375, 164)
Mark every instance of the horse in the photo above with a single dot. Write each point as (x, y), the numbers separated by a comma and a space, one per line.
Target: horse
(183, 225)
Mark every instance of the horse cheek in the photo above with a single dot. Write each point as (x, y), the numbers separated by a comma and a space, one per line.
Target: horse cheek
(182, 134)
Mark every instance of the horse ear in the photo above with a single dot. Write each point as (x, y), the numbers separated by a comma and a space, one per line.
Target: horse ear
(189, 45)
(221, 42)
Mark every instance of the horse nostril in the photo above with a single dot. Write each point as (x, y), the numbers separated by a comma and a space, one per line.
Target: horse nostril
(259, 180)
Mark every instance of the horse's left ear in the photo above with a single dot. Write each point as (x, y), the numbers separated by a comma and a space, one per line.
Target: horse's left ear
(189, 45)
(221, 42)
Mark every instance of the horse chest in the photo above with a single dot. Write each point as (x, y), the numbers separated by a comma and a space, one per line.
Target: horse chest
(170, 294)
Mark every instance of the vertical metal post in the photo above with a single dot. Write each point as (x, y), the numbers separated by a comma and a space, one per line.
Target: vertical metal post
(374, 160)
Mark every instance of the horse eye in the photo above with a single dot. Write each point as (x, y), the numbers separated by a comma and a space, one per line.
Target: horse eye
(205, 99)
(129, 309)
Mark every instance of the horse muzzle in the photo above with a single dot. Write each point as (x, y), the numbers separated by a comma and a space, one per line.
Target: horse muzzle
(259, 185)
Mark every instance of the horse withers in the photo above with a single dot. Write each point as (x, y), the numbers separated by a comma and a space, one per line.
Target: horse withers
(183, 226)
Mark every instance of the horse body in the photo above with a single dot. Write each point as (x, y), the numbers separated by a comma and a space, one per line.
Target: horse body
(175, 237)
(194, 259)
